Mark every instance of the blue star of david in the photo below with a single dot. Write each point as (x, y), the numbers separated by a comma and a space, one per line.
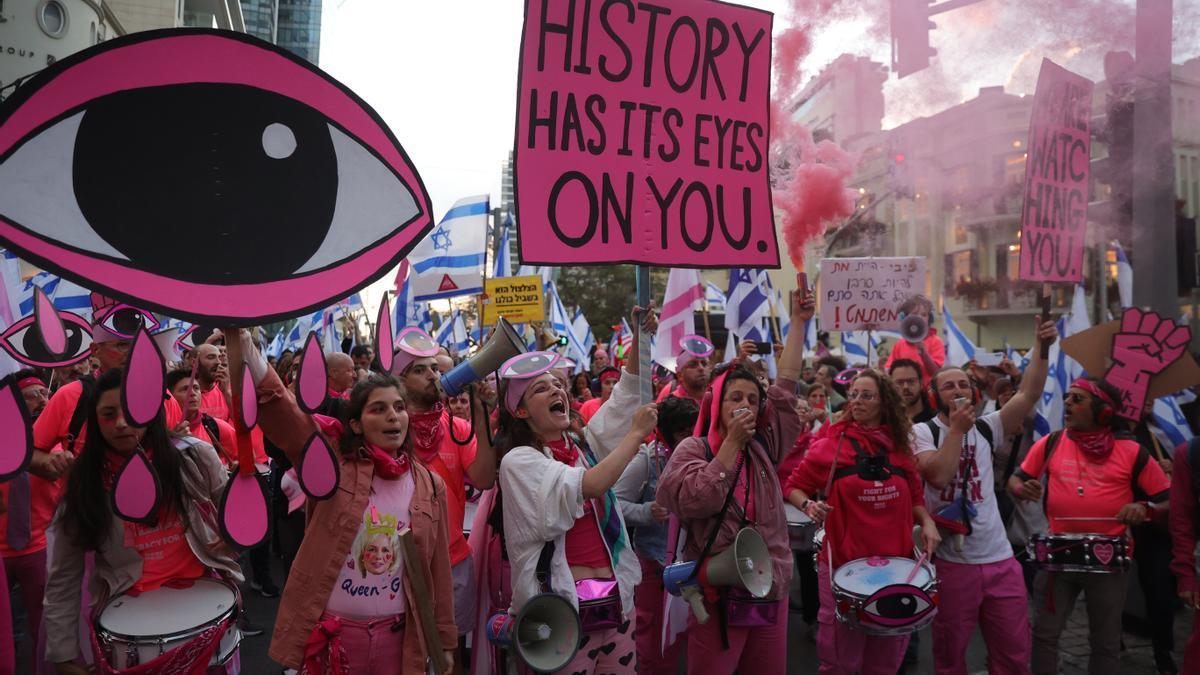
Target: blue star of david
(441, 239)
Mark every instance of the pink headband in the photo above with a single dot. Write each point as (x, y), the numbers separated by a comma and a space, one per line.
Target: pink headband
(411, 344)
(520, 371)
(1091, 388)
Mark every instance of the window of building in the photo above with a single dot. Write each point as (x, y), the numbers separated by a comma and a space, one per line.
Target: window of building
(52, 18)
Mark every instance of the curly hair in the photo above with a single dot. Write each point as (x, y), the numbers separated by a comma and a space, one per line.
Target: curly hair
(891, 407)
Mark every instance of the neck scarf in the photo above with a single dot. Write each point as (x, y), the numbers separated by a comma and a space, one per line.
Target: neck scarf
(564, 451)
(386, 466)
(1095, 445)
(426, 429)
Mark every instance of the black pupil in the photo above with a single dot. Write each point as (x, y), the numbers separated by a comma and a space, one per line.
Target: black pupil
(896, 606)
(126, 321)
(31, 344)
(160, 167)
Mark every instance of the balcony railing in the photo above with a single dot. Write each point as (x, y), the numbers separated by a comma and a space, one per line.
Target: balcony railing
(1010, 300)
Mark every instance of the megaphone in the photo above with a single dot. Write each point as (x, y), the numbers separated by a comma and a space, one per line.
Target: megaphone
(503, 345)
(544, 635)
(914, 328)
(746, 565)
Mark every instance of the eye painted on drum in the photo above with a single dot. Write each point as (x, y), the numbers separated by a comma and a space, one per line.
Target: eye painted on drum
(124, 321)
(897, 605)
(110, 161)
(22, 342)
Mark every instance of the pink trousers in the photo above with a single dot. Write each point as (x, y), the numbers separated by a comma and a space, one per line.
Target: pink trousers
(751, 650)
(29, 572)
(842, 649)
(373, 647)
(991, 595)
(647, 632)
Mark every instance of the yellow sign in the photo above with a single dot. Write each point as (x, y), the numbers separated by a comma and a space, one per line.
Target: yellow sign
(518, 299)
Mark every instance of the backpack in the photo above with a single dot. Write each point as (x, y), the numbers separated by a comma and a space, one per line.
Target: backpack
(79, 415)
(982, 427)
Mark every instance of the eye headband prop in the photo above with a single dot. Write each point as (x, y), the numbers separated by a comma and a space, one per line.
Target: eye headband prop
(846, 377)
(692, 347)
(306, 166)
(412, 343)
(521, 370)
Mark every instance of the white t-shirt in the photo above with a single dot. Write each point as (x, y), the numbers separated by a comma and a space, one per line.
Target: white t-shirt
(370, 583)
(988, 542)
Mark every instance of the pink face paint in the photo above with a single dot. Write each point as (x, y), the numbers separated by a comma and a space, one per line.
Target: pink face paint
(16, 428)
(49, 324)
(135, 493)
(319, 473)
(313, 377)
(144, 381)
(249, 399)
(385, 348)
(243, 516)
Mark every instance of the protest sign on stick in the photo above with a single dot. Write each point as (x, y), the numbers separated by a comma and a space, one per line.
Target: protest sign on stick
(642, 134)
(866, 293)
(1054, 210)
(518, 299)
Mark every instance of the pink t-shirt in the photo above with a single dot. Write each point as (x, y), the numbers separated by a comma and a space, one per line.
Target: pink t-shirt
(370, 582)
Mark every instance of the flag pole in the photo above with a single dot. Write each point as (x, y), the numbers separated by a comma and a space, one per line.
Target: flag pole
(704, 313)
(645, 384)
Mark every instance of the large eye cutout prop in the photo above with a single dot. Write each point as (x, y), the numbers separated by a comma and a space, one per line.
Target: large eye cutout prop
(17, 450)
(110, 157)
(696, 346)
(24, 343)
(411, 344)
(520, 372)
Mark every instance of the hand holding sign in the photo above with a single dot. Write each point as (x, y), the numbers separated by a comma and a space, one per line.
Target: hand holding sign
(1145, 346)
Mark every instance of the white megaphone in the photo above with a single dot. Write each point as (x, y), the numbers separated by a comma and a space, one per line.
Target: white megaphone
(746, 564)
(544, 635)
(914, 328)
(502, 346)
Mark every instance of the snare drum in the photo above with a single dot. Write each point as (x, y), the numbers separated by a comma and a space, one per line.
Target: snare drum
(1077, 552)
(801, 529)
(870, 595)
(137, 629)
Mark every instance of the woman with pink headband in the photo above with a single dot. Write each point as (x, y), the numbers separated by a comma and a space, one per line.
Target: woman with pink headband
(563, 529)
(723, 479)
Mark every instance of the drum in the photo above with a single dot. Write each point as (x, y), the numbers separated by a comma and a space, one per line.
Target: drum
(136, 629)
(870, 595)
(1077, 552)
(801, 529)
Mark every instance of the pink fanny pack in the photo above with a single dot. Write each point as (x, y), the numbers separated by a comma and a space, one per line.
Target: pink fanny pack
(746, 611)
(599, 604)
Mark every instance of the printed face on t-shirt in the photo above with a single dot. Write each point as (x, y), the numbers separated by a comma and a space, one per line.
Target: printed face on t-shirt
(379, 554)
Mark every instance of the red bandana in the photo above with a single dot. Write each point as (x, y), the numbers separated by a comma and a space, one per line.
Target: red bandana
(1095, 445)
(564, 451)
(386, 466)
(426, 429)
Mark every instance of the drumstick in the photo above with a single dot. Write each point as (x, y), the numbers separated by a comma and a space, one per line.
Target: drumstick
(913, 573)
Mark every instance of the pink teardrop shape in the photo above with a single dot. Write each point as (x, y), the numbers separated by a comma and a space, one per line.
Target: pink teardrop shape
(249, 399)
(135, 493)
(385, 349)
(145, 381)
(319, 471)
(244, 521)
(49, 323)
(16, 428)
(313, 379)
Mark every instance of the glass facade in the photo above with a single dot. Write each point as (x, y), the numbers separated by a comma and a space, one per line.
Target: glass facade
(299, 28)
(259, 16)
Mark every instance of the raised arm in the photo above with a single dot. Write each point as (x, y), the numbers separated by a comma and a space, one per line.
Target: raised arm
(1033, 382)
(280, 417)
(791, 361)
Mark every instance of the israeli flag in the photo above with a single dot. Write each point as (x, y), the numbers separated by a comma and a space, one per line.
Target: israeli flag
(275, 349)
(859, 346)
(452, 334)
(1167, 416)
(407, 311)
(583, 330)
(1124, 276)
(746, 302)
(714, 297)
(810, 337)
(65, 295)
(562, 324)
(449, 261)
(502, 256)
(959, 348)
(1063, 370)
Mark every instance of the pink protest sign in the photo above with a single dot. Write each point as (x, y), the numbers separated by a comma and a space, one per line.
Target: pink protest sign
(642, 134)
(1054, 213)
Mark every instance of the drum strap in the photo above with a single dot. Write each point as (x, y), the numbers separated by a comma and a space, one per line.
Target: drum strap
(866, 464)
